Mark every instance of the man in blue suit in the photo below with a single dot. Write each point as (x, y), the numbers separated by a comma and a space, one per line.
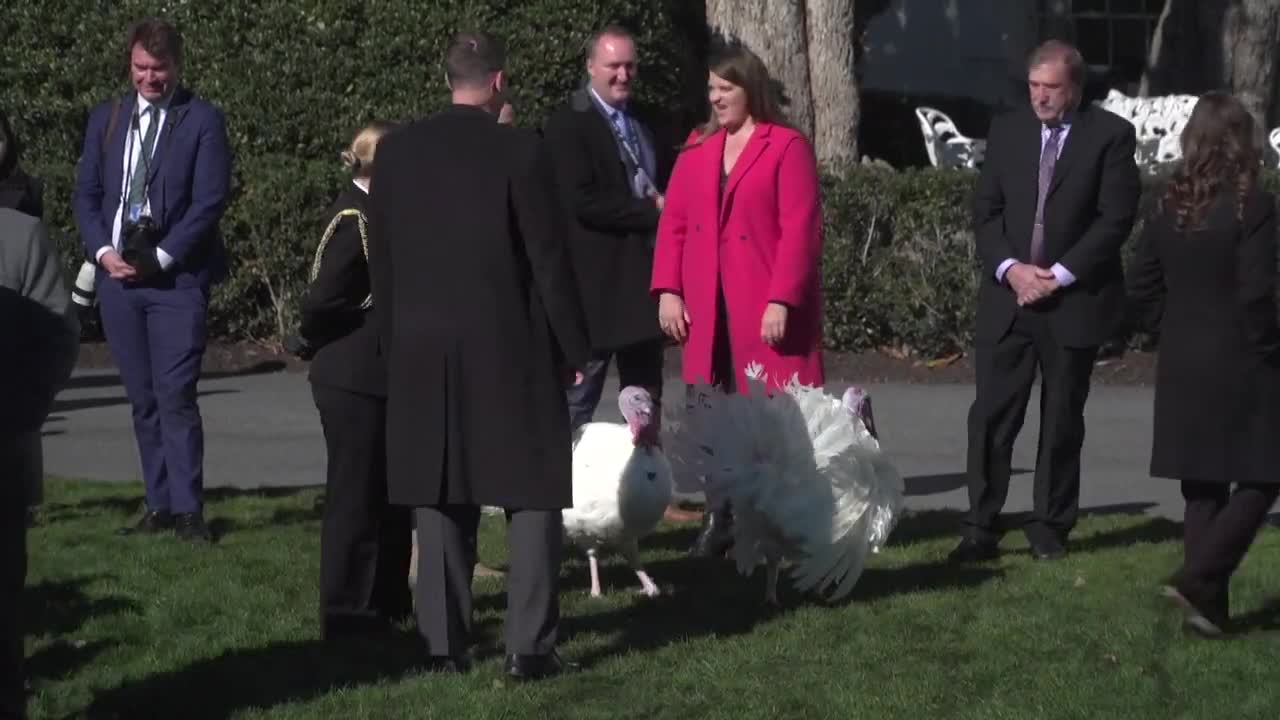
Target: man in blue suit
(152, 185)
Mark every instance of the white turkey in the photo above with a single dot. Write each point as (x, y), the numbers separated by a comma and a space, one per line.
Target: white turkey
(802, 471)
(621, 485)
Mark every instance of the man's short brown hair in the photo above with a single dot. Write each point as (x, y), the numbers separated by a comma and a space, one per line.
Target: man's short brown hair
(472, 58)
(1063, 52)
(158, 37)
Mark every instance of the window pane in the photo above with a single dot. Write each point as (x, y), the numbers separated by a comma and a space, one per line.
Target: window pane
(1091, 38)
(1132, 38)
(1125, 7)
(1155, 7)
(1088, 6)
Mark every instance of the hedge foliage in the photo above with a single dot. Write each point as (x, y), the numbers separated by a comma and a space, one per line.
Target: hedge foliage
(297, 78)
(901, 270)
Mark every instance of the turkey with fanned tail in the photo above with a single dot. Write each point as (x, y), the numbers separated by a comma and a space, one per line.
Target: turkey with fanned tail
(803, 471)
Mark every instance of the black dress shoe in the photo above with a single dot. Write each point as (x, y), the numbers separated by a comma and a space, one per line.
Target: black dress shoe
(191, 527)
(537, 667)
(970, 550)
(716, 537)
(152, 521)
(446, 664)
(1048, 550)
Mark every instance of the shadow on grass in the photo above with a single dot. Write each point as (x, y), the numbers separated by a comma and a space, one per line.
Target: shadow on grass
(1263, 619)
(132, 508)
(263, 677)
(60, 609)
(929, 525)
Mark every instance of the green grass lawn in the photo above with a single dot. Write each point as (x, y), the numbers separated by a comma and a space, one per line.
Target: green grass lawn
(136, 627)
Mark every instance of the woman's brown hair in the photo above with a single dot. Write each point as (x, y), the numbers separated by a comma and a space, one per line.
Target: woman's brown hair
(1218, 147)
(738, 65)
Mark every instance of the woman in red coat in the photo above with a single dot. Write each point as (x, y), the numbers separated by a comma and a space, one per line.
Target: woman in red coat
(736, 267)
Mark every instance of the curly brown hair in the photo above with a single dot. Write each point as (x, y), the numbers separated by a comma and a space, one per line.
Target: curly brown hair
(1218, 147)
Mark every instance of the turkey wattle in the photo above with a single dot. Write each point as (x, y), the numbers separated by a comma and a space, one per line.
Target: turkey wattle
(621, 486)
(804, 475)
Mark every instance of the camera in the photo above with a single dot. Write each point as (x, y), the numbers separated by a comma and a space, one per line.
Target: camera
(138, 241)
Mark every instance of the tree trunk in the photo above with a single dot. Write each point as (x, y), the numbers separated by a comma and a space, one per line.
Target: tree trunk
(833, 80)
(1249, 54)
(1226, 45)
(776, 31)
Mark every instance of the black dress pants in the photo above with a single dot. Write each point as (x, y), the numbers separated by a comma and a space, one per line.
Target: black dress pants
(365, 542)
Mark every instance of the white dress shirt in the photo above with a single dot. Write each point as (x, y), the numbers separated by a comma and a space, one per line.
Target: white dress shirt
(133, 146)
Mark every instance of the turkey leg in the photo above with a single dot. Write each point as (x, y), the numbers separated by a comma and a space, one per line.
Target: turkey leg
(631, 549)
(595, 572)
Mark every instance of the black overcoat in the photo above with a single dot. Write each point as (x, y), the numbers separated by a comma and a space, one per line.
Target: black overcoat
(1211, 294)
(479, 314)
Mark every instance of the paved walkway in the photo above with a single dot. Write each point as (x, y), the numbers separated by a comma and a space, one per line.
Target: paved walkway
(263, 430)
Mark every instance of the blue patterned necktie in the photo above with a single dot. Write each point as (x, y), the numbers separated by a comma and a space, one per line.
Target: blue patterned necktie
(1048, 158)
(627, 131)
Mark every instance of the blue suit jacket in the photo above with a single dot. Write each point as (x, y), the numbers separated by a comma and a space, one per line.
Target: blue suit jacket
(190, 183)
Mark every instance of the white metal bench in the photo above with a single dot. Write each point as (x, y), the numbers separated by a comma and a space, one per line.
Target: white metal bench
(946, 145)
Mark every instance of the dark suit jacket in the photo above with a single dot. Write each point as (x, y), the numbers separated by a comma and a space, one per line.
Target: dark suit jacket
(611, 230)
(478, 312)
(349, 357)
(1212, 295)
(1089, 212)
(190, 176)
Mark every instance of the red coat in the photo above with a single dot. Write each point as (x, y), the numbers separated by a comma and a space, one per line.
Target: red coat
(764, 243)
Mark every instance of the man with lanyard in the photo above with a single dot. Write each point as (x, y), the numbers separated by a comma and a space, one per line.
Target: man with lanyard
(612, 162)
(151, 187)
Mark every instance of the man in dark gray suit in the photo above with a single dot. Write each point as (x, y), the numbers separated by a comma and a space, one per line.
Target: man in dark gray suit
(42, 342)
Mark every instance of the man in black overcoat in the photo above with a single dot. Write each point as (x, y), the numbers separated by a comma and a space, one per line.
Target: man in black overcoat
(482, 325)
(1054, 204)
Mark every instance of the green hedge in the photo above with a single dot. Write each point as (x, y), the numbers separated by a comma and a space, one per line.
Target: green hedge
(297, 78)
(901, 269)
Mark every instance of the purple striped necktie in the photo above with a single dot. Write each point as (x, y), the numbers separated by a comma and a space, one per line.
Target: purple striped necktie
(1048, 158)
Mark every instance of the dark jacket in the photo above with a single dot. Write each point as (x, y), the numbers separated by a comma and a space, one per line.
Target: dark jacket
(479, 314)
(611, 230)
(1089, 212)
(349, 356)
(1212, 295)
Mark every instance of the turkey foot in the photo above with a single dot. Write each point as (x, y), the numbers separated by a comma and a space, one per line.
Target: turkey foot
(647, 586)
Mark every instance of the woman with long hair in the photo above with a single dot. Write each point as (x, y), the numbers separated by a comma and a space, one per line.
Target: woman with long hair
(364, 541)
(736, 267)
(1204, 274)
